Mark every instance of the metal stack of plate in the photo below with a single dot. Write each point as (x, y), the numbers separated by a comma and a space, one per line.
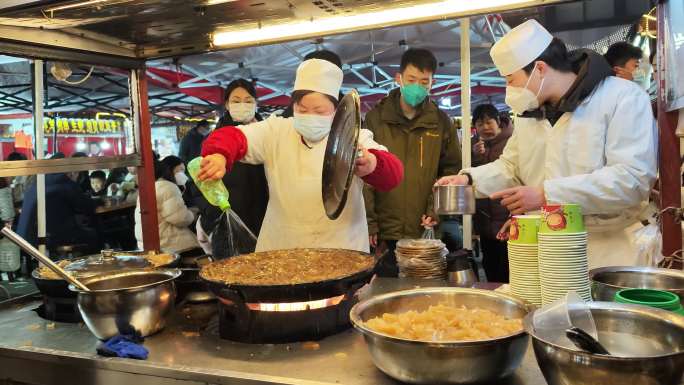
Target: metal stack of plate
(421, 258)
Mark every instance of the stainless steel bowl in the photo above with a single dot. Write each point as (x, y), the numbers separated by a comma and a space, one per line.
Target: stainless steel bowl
(127, 303)
(606, 281)
(655, 335)
(454, 200)
(419, 362)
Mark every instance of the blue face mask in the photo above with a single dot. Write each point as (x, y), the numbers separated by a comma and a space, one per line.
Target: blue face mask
(413, 94)
(313, 128)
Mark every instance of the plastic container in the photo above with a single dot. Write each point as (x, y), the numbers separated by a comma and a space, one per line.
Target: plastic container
(655, 298)
(214, 191)
(551, 321)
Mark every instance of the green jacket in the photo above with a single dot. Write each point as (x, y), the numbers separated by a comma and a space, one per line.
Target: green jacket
(428, 147)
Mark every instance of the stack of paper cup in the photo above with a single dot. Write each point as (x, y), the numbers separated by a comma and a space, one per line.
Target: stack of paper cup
(563, 264)
(523, 260)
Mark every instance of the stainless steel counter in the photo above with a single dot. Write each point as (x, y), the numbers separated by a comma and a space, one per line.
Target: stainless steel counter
(40, 352)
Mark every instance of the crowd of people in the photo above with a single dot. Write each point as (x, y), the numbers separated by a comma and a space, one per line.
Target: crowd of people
(272, 167)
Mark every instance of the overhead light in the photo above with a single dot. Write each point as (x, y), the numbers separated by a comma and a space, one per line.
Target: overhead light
(105, 145)
(80, 4)
(385, 18)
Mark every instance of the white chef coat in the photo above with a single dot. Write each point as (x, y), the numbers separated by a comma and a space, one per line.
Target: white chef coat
(602, 156)
(295, 216)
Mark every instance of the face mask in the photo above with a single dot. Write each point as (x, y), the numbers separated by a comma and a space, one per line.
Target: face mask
(413, 93)
(520, 99)
(313, 128)
(181, 178)
(242, 112)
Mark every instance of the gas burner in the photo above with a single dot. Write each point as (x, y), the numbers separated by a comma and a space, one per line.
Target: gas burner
(59, 309)
(266, 322)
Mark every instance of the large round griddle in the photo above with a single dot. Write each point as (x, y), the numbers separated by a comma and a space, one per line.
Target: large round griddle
(340, 154)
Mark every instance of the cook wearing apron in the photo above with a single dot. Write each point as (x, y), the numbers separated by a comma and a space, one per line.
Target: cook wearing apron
(581, 135)
(292, 152)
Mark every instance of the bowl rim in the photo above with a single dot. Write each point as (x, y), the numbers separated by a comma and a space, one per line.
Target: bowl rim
(171, 274)
(664, 315)
(355, 318)
(633, 269)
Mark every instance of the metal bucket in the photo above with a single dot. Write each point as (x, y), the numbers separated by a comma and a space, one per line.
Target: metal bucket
(454, 200)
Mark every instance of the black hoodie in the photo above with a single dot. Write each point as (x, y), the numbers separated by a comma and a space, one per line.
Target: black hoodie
(591, 69)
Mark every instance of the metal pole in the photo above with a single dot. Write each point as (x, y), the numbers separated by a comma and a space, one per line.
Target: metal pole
(465, 120)
(669, 159)
(147, 198)
(38, 125)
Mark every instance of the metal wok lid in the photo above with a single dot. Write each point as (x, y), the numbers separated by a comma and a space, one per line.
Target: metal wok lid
(340, 154)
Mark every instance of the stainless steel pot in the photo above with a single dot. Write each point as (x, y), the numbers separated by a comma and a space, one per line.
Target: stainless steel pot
(454, 200)
(419, 362)
(606, 281)
(648, 342)
(127, 303)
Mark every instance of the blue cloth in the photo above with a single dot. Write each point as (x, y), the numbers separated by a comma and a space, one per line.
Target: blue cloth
(124, 347)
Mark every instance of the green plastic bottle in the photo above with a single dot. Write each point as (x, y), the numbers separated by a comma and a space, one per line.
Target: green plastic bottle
(213, 190)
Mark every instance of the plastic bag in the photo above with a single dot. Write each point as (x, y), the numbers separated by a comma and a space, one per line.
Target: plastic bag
(231, 237)
(429, 233)
(649, 243)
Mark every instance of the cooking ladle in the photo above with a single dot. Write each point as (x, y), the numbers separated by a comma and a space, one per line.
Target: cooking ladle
(27, 247)
(585, 341)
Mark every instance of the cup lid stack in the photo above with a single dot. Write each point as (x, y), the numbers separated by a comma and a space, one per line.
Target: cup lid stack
(563, 262)
(421, 258)
(523, 260)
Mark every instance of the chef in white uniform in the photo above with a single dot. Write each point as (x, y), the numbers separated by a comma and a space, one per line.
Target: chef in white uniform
(580, 136)
(292, 152)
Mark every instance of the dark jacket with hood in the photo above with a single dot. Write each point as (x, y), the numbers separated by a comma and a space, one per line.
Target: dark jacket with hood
(191, 145)
(491, 215)
(428, 147)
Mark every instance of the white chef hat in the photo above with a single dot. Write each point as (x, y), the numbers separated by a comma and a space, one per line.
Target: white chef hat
(320, 76)
(520, 47)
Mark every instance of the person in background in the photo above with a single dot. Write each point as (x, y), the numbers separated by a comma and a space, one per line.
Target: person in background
(173, 215)
(10, 256)
(129, 187)
(83, 176)
(323, 54)
(94, 149)
(245, 182)
(191, 144)
(97, 184)
(625, 59)
(423, 137)
(490, 215)
(18, 183)
(65, 202)
(114, 180)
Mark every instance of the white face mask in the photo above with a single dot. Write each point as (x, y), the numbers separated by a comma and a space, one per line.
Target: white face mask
(181, 178)
(313, 128)
(242, 112)
(521, 99)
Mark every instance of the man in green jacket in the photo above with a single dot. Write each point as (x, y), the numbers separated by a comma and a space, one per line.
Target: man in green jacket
(424, 138)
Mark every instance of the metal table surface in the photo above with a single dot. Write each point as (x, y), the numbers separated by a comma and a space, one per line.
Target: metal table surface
(40, 352)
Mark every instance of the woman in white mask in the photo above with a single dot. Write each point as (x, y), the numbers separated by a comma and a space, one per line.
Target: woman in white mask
(246, 182)
(173, 215)
(292, 152)
(581, 136)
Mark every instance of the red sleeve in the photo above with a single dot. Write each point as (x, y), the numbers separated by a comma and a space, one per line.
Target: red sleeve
(227, 141)
(388, 172)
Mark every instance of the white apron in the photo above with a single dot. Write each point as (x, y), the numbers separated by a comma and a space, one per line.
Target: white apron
(602, 156)
(295, 216)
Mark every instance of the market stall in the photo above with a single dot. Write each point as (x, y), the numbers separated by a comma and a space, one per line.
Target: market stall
(195, 346)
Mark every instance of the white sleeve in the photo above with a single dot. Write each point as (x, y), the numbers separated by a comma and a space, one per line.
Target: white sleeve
(366, 140)
(500, 174)
(260, 138)
(630, 162)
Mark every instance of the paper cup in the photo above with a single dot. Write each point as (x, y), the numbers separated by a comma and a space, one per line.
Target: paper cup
(561, 219)
(524, 229)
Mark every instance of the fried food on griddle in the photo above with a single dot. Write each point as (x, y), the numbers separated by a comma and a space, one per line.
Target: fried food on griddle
(287, 267)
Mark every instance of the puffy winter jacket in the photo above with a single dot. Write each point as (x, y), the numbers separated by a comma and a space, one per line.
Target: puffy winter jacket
(174, 219)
